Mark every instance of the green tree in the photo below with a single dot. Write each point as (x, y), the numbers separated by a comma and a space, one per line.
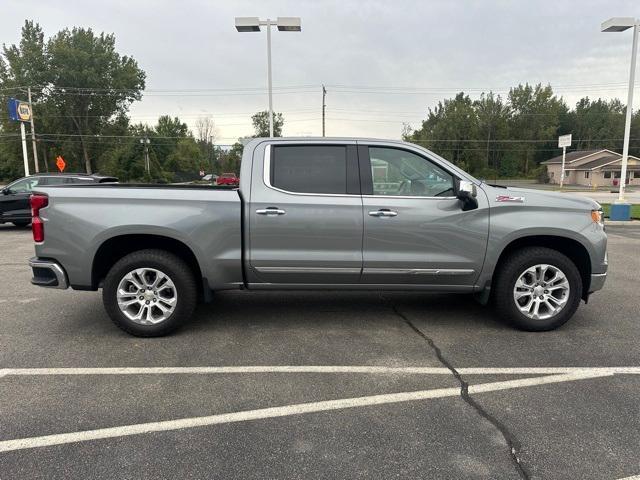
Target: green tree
(595, 124)
(185, 158)
(82, 88)
(260, 122)
(634, 145)
(229, 160)
(534, 125)
(168, 132)
(452, 130)
(93, 82)
(20, 66)
(493, 125)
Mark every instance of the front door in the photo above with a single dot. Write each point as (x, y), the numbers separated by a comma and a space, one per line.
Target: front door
(305, 215)
(14, 203)
(415, 231)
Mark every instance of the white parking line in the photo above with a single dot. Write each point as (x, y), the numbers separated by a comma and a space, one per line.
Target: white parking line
(19, 300)
(287, 410)
(373, 369)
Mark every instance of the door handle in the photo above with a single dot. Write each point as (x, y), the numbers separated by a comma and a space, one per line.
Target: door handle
(271, 211)
(383, 212)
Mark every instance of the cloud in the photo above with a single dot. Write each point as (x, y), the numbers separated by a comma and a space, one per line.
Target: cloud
(437, 47)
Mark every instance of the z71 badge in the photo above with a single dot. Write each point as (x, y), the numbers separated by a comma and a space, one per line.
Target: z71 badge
(509, 198)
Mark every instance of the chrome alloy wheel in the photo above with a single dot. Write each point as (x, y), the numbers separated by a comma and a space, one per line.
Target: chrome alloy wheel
(541, 291)
(147, 296)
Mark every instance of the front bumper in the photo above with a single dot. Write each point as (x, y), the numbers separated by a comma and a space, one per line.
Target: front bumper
(597, 281)
(48, 273)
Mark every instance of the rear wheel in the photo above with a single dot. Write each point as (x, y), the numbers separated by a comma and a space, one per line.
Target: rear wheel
(149, 293)
(538, 289)
(21, 223)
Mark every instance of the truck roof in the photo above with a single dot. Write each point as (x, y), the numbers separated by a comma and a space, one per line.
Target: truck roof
(328, 139)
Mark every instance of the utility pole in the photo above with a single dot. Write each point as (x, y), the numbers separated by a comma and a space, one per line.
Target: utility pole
(212, 156)
(147, 166)
(324, 106)
(33, 133)
(488, 138)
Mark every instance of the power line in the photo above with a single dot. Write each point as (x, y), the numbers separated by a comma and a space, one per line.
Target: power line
(433, 140)
(311, 88)
(181, 115)
(315, 86)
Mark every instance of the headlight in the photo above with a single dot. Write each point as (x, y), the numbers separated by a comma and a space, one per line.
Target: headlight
(597, 216)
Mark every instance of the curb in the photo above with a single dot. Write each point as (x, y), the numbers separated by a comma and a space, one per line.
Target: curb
(622, 223)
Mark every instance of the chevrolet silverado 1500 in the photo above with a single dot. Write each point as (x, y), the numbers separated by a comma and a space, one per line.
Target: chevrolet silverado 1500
(329, 213)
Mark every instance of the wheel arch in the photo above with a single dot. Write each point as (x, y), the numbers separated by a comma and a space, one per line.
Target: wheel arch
(116, 247)
(570, 247)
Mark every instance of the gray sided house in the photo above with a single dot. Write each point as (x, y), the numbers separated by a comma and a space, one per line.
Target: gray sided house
(592, 168)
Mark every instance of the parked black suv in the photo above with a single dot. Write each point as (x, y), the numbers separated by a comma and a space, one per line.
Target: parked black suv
(14, 198)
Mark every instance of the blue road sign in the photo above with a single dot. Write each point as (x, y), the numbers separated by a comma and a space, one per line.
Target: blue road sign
(19, 111)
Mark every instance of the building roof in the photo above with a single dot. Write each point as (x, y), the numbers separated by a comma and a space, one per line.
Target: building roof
(573, 156)
(598, 162)
(618, 166)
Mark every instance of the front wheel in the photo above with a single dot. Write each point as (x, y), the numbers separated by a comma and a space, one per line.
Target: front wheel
(538, 289)
(149, 293)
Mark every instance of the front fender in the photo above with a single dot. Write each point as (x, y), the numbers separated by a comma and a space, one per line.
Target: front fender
(511, 223)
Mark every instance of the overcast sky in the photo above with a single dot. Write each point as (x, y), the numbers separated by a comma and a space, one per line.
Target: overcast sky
(413, 53)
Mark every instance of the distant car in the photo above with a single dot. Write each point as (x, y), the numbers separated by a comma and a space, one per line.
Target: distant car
(210, 177)
(228, 179)
(14, 198)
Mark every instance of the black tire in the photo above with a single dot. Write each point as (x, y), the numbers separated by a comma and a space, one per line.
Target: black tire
(509, 272)
(169, 264)
(21, 223)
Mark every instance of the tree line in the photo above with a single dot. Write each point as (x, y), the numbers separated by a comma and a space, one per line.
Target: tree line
(492, 137)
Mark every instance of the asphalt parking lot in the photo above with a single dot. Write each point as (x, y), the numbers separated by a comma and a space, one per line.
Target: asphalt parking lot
(318, 385)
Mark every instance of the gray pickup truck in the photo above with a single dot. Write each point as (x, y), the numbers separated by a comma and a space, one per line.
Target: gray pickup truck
(324, 213)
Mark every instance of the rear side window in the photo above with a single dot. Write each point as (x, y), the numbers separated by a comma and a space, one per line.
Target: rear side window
(310, 168)
(74, 180)
(53, 181)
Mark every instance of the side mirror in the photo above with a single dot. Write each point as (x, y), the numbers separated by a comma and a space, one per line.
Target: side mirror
(467, 194)
(5, 191)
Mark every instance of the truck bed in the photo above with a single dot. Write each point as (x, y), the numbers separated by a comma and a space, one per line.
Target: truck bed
(83, 218)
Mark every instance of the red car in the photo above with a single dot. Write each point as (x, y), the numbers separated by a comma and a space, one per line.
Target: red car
(228, 179)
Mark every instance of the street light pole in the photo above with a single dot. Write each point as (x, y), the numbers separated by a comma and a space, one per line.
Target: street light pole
(619, 25)
(284, 24)
(268, 25)
(627, 123)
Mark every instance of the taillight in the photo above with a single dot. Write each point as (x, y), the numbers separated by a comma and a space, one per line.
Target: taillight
(37, 202)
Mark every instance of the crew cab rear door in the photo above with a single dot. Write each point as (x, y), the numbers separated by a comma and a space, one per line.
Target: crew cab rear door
(415, 231)
(305, 214)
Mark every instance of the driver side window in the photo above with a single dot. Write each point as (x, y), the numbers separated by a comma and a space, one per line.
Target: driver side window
(23, 186)
(397, 172)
